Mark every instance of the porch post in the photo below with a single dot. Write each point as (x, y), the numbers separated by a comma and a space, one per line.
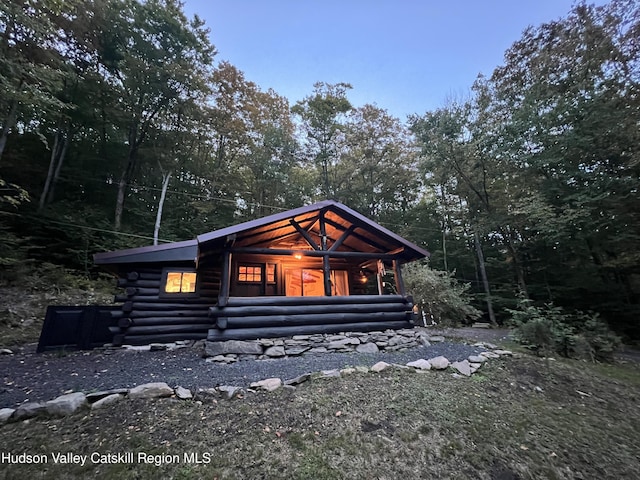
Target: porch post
(225, 279)
(397, 271)
(326, 267)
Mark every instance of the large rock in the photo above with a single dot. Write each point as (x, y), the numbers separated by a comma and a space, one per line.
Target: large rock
(367, 348)
(477, 359)
(5, 414)
(269, 384)
(298, 380)
(229, 391)
(222, 359)
(463, 367)
(507, 353)
(212, 349)
(296, 350)
(151, 390)
(108, 400)
(489, 355)
(275, 351)
(439, 363)
(183, 393)
(380, 366)
(95, 396)
(343, 343)
(29, 410)
(421, 364)
(398, 340)
(67, 404)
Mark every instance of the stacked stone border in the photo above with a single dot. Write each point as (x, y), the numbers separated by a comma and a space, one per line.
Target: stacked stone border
(72, 402)
(346, 342)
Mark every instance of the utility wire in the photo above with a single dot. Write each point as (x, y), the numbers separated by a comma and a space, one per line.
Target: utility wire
(225, 200)
(84, 227)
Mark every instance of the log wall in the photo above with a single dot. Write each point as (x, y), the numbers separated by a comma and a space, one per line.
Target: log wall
(264, 317)
(147, 316)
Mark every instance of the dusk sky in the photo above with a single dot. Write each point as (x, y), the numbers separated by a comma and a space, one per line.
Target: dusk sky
(406, 56)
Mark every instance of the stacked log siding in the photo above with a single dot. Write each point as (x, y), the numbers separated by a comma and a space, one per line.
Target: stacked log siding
(147, 315)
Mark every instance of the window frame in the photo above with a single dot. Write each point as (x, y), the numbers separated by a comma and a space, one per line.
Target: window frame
(247, 265)
(163, 283)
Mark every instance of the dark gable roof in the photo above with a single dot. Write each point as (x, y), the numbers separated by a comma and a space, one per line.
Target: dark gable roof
(168, 252)
(280, 230)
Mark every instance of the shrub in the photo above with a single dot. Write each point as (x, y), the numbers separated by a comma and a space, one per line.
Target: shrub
(549, 329)
(439, 295)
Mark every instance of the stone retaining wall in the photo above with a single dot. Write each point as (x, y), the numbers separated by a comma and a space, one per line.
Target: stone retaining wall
(362, 342)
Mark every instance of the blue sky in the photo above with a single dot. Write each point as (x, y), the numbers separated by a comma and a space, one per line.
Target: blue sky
(406, 56)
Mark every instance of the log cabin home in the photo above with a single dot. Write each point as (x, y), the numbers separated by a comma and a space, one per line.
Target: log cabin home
(322, 268)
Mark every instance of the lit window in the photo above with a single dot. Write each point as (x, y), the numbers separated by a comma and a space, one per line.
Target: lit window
(271, 273)
(249, 274)
(180, 282)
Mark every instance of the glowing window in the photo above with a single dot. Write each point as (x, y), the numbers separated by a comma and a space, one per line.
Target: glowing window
(180, 282)
(271, 273)
(249, 274)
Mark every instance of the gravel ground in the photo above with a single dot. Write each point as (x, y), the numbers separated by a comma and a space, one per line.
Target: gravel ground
(27, 376)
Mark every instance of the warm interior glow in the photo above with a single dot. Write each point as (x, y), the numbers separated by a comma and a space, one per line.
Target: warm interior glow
(310, 282)
(297, 256)
(174, 280)
(252, 274)
(188, 282)
(180, 282)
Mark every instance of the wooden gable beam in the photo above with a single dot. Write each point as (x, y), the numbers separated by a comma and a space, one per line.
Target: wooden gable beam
(342, 238)
(270, 230)
(305, 234)
(357, 235)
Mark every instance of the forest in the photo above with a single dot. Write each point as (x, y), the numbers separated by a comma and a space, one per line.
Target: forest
(120, 128)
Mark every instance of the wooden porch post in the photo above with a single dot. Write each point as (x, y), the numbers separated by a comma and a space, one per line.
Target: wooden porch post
(225, 280)
(398, 275)
(326, 267)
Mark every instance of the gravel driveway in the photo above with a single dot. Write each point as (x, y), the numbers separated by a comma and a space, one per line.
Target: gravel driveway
(27, 376)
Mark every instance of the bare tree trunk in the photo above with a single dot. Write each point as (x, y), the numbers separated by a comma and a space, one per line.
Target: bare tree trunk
(165, 185)
(8, 125)
(444, 248)
(445, 222)
(123, 184)
(50, 172)
(122, 188)
(485, 280)
(58, 154)
(56, 175)
(519, 271)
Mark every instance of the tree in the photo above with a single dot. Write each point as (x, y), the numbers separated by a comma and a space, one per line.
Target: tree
(323, 116)
(377, 170)
(562, 88)
(30, 63)
(154, 57)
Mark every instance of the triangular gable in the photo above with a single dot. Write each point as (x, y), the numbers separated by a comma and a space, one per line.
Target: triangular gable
(346, 230)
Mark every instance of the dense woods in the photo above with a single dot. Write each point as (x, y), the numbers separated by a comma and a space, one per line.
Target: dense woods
(119, 128)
